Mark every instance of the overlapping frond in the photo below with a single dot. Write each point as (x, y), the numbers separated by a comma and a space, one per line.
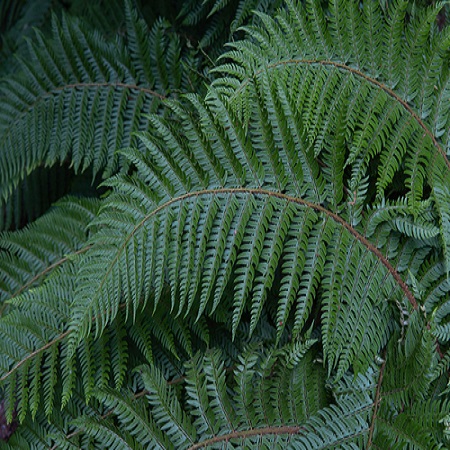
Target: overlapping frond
(43, 430)
(33, 343)
(419, 426)
(264, 401)
(36, 372)
(215, 408)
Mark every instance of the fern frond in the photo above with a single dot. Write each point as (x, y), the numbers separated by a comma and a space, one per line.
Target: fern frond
(104, 432)
(264, 400)
(80, 97)
(29, 255)
(418, 426)
(134, 420)
(393, 124)
(166, 409)
(219, 20)
(17, 22)
(37, 371)
(172, 221)
(106, 20)
(57, 429)
(411, 363)
(223, 409)
(32, 342)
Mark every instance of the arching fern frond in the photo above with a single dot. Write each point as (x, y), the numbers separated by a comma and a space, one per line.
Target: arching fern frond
(176, 223)
(393, 108)
(80, 98)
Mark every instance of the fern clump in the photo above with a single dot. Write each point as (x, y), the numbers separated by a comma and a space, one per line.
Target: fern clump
(265, 263)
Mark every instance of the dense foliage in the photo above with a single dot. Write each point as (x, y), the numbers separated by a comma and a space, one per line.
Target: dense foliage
(212, 245)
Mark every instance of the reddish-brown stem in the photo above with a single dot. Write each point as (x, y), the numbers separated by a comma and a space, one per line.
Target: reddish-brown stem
(34, 353)
(370, 80)
(246, 434)
(265, 192)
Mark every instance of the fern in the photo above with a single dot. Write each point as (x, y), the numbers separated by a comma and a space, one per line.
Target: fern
(392, 123)
(257, 237)
(30, 254)
(79, 97)
(266, 265)
(230, 408)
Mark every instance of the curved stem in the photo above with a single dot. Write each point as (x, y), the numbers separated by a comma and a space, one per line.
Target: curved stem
(282, 429)
(259, 191)
(367, 78)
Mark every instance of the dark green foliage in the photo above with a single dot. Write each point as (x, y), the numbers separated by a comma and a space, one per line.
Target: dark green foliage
(265, 264)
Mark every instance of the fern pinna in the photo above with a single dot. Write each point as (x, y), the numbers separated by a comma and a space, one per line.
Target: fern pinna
(267, 266)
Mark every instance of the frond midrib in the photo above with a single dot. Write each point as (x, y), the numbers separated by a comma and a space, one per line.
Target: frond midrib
(96, 85)
(48, 270)
(360, 74)
(35, 352)
(245, 434)
(264, 192)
